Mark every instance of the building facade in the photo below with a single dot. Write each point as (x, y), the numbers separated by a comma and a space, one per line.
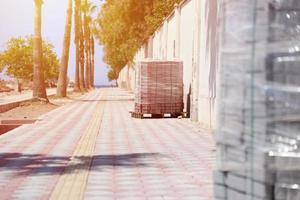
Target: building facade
(189, 34)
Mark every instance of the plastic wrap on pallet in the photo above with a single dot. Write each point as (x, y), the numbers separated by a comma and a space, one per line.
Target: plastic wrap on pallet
(258, 134)
(159, 87)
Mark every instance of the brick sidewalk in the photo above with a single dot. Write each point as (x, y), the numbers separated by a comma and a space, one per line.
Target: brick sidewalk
(127, 159)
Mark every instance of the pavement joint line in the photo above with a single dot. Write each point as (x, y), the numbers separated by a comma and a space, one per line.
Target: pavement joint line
(72, 183)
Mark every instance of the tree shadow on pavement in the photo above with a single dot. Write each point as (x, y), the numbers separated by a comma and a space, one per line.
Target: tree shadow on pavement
(38, 164)
(102, 100)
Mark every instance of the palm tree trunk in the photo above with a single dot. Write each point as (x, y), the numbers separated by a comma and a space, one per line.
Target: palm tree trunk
(39, 89)
(90, 58)
(87, 66)
(81, 44)
(77, 18)
(63, 72)
(92, 61)
(87, 47)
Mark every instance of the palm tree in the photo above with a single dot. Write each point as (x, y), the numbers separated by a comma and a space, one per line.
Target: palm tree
(39, 89)
(87, 46)
(88, 9)
(92, 60)
(92, 44)
(77, 19)
(82, 64)
(81, 51)
(63, 72)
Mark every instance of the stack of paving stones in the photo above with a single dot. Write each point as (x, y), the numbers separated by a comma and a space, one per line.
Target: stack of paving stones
(259, 103)
(159, 87)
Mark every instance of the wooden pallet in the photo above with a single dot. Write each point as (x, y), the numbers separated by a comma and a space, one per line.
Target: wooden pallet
(156, 116)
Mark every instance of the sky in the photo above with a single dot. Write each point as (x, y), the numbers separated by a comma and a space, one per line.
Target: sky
(17, 19)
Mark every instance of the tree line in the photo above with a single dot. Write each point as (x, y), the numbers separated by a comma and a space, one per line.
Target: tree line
(32, 58)
(85, 47)
(17, 60)
(124, 26)
(84, 43)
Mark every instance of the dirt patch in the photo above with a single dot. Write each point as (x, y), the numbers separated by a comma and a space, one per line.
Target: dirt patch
(34, 109)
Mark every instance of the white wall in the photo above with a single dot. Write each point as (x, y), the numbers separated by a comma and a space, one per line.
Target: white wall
(189, 35)
(171, 39)
(208, 57)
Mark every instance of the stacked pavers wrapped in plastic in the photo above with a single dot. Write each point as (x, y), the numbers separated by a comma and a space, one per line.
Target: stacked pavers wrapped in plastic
(159, 87)
(258, 134)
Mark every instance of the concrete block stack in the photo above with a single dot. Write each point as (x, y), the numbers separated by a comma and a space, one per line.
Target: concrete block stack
(159, 87)
(259, 101)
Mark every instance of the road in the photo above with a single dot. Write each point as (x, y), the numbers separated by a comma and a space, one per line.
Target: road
(93, 149)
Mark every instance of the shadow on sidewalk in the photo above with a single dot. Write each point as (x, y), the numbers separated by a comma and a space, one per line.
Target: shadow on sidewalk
(102, 100)
(38, 164)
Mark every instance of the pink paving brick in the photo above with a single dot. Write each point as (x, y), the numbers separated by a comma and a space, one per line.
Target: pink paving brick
(32, 157)
(160, 87)
(150, 159)
(133, 159)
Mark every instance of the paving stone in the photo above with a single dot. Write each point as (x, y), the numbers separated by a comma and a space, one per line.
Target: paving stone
(162, 155)
(133, 159)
